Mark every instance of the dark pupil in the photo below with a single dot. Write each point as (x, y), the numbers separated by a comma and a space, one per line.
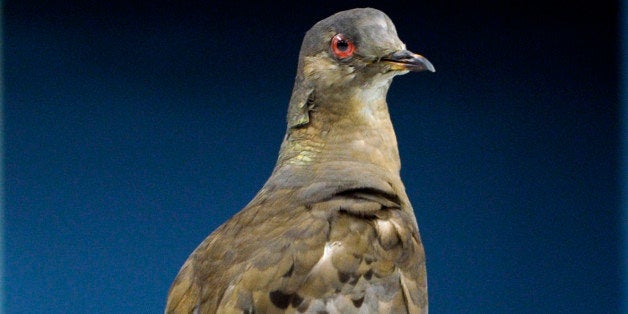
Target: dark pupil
(342, 45)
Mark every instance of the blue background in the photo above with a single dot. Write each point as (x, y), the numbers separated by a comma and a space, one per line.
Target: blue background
(133, 129)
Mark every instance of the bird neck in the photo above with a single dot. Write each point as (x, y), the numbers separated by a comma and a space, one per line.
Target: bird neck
(360, 134)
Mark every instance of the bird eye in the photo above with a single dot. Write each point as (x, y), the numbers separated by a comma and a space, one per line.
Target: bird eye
(341, 46)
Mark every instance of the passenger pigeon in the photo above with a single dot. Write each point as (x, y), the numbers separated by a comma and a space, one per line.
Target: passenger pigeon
(332, 230)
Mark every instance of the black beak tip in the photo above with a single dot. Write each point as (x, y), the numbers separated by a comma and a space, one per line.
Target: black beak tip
(418, 62)
(410, 61)
(427, 65)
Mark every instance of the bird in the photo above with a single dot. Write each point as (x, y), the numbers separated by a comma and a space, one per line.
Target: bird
(332, 230)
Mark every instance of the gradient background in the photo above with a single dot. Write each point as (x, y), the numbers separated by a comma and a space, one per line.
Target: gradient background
(133, 129)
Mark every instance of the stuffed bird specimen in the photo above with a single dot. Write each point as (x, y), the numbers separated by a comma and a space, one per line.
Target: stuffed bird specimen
(332, 230)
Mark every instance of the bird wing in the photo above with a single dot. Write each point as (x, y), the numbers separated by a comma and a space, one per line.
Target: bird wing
(356, 250)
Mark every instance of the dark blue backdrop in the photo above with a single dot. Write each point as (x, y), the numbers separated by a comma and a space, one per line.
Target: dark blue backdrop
(134, 129)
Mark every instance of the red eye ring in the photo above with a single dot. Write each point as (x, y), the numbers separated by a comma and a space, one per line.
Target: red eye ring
(341, 46)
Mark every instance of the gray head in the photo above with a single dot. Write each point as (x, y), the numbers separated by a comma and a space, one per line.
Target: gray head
(350, 51)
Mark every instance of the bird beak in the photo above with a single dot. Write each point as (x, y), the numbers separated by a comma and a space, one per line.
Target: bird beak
(404, 60)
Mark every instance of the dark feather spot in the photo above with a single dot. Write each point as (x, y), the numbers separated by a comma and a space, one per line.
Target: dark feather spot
(368, 274)
(280, 299)
(289, 272)
(357, 303)
(296, 300)
(391, 200)
(343, 277)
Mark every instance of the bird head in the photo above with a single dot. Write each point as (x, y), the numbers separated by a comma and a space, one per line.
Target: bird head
(353, 52)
